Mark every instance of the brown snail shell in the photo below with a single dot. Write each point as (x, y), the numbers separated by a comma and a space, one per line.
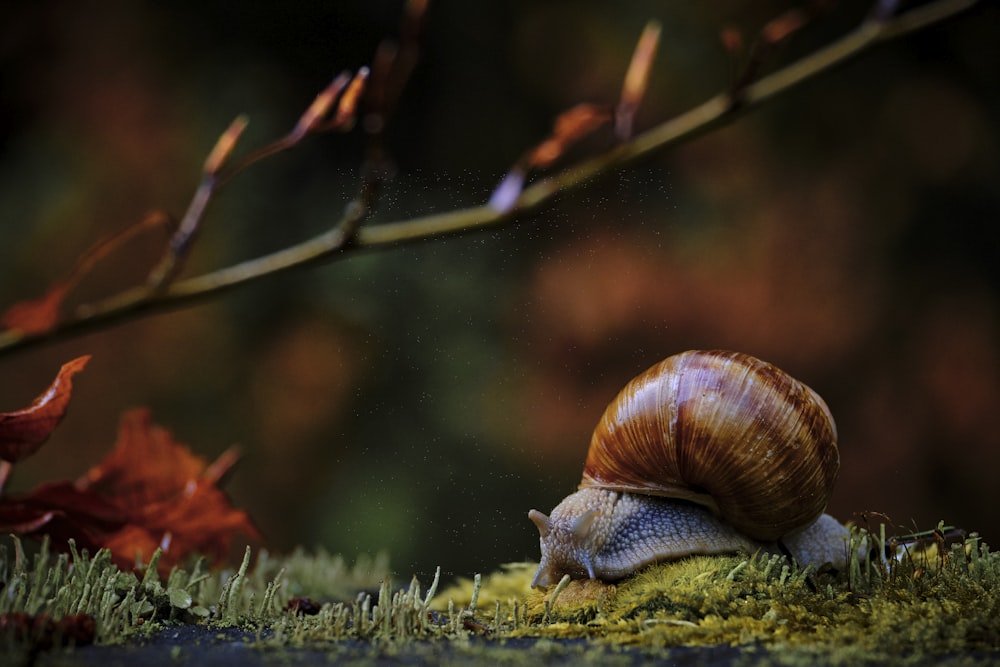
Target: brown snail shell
(724, 430)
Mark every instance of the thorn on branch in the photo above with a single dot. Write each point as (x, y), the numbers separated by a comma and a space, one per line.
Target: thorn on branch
(319, 108)
(347, 109)
(570, 127)
(224, 147)
(636, 79)
(732, 40)
(5, 468)
(583, 120)
(774, 33)
(215, 473)
(413, 20)
(393, 64)
(780, 28)
(187, 231)
(36, 316)
(41, 315)
(344, 87)
(733, 43)
(392, 67)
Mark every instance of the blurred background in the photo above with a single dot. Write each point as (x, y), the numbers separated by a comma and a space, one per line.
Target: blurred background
(421, 400)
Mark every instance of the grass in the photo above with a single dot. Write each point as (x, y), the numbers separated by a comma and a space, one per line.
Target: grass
(944, 601)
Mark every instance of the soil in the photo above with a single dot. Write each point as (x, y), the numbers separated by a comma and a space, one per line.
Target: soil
(213, 647)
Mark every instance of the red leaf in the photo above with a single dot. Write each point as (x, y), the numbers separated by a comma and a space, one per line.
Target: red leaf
(348, 105)
(146, 467)
(168, 496)
(636, 79)
(224, 146)
(36, 316)
(571, 126)
(24, 431)
(148, 492)
(782, 27)
(732, 40)
(319, 107)
(61, 511)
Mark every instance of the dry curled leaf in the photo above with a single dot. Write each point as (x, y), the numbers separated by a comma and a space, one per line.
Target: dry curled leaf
(149, 492)
(63, 512)
(225, 145)
(168, 495)
(570, 127)
(636, 79)
(783, 26)
(22, 432)
(39, 316)
(732, 40)
(36, 316)
(348, 105)
(316, 111)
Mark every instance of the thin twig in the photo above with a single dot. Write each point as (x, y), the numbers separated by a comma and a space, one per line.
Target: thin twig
(187, 231)
(346, 235)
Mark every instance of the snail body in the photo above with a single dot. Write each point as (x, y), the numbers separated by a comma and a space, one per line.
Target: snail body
(706, 452)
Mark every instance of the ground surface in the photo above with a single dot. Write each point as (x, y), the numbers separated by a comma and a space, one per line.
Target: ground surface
(208, 647)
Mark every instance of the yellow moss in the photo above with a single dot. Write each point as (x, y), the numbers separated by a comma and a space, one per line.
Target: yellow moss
(511, 582)
(579, 601)
(934, 603)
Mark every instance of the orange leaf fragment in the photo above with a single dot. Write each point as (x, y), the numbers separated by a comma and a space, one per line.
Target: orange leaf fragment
(22, 432)
(570, 127)
(36, 316)
(39, 316)
(319, 107)
(149, 492)
(781, 27)
(167, 495)
(637, 79)
(225, 145)
(732, 40)
(348, 105)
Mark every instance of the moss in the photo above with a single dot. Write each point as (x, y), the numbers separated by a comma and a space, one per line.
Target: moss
(941, 601)
(929, 602)
(932, 604)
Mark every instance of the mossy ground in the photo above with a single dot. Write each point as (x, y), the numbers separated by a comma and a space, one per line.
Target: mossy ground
(917, 609)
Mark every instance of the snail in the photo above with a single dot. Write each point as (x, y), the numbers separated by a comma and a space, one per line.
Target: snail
(706, 452)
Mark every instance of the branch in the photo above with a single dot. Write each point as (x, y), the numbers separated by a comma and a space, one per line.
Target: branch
(347, 236)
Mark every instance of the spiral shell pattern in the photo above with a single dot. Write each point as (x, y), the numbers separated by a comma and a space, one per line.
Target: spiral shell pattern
(724, 430)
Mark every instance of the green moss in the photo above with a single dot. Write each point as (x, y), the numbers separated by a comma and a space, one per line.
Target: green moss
(936, 602)
(931, 604)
